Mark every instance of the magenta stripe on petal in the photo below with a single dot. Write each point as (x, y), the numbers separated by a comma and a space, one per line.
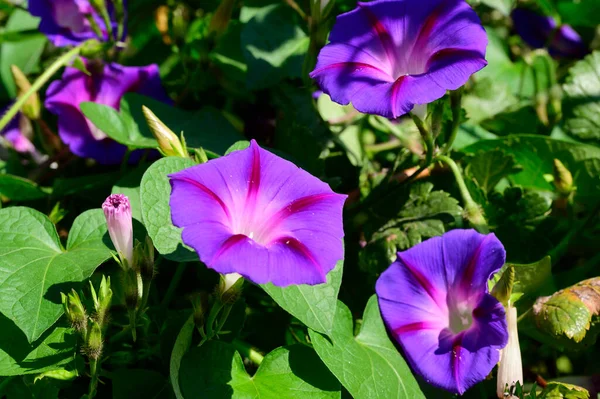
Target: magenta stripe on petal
(254, 183)
(423, 281)
(456, 357)
(207, 191)
(417, 326)
(299, 248)
(228, 244)
(387, 42)
(351, 66)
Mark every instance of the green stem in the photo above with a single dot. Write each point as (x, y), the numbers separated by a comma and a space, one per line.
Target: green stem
(173, 284)
(429, 144)
(133, 323)
(39, 82)
(455, 104)
(473, 212)
(94, 375)
(246, 350)
(223, 318)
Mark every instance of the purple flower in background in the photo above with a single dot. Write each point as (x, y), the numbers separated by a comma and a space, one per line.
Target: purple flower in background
(539, 31)
(388, 55)
(65, 22)
(107, 85)
(253, 213)
(435, 303)
(17, 132)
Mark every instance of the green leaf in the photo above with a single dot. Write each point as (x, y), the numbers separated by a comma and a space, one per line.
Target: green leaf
(139, 383)
(28, 388)
(274, 46)
(216, 370)
(314, 305)
(18, 188)
(488, 98)
(155, 192)
(238, 145)
(504, 6)
(580, 13)
(561, 390)
(368, 365)
(34, 268)
(570, 312)
(119, 126)
(21, 49)
(582, 102)
(53, 350)
(535, 154)
(489, 167)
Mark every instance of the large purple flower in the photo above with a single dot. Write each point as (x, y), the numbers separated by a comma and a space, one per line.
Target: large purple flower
(386, 56)
(106, 85)
(65, 22)
(539, 31)
(255, 214)
(435, 303)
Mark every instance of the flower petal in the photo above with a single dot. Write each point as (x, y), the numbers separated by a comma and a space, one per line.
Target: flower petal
(255, 214)
(470, 259)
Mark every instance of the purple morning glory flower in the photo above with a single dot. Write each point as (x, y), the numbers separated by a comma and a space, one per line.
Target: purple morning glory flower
(16, 133)
(253, 213)
(386, 56)
(435, 303)
(539, 31)
(107, 85)
(65, 22)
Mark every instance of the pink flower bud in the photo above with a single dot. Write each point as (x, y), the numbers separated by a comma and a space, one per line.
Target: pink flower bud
(118, 218)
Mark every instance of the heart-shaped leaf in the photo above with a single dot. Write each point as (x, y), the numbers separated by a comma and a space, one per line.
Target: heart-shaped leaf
(155, 192)
(216, 370)
(314, 305)
(368, 365)
(34, 268)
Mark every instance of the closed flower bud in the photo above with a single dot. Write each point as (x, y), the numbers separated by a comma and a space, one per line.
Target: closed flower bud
(510, 369)
(32, 107)
(120, 226)
(230, 287)
(131, 286)
(200, 306)
(503, 288)
(143, 259)
(563, 180)
(168, 142)
(102, 300)
(221, 17)
(94, 342)
(75, 311)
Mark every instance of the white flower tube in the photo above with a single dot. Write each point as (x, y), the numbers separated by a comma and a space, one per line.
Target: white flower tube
(510, 369)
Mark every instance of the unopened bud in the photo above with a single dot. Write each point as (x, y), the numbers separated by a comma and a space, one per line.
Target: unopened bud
(102, 300)
(92, 48)
(503, 288)
(474, 214)
(168, 142)
(510, 369)
(200, 306)
(143, 259)
(230, 287)
(563, 180)
(32, 108)
(131, 286)
(94, 342)
(75, 311)
(221, 17)
(120, 225)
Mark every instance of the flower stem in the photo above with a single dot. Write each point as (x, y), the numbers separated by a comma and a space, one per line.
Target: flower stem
(473, 211)
(246, 350)
(94, 375)
(214, 311)
(39, 82)
(429, 144)
(455, 104)
(173, 284)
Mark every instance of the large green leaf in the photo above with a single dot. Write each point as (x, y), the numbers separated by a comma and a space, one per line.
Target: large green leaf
(155, 192)
(129, 185)
(216, 370)
(34, 268)
(582, 102)
(314, 305)
(51, 351)
(488, 168)
(368, 365)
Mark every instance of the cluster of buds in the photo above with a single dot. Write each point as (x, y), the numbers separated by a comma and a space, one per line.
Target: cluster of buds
(563, 179)
(91, 327)
(137, 264)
